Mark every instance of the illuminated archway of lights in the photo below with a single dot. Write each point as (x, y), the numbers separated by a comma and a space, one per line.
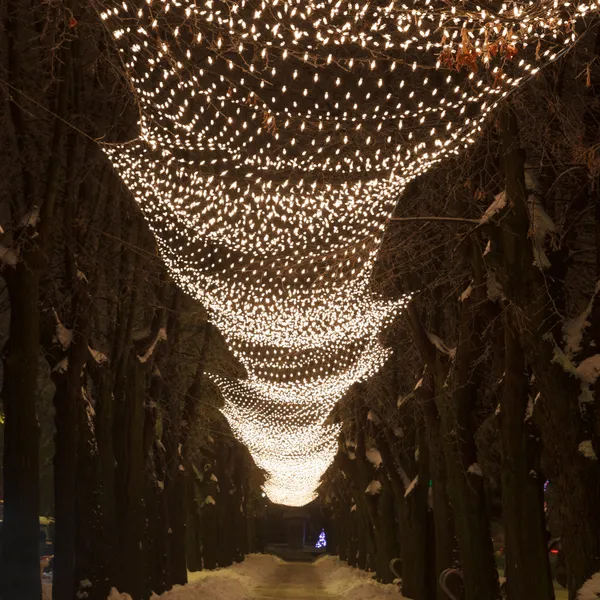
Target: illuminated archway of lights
(275, 138)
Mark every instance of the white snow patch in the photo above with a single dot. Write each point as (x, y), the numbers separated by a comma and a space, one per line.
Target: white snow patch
(441, 345)
(475, 469)
(89, 409)
(588, 370)
(8, 256)
(373, 417)
(496, 206)
(374, 487)
(402, 399)
(116, 595)
(375, 457)
(353, 509)
(406, 482)
(213, 477)
(209, 500)
(560, 358)
(398, 432)
(411, 487)
(587, 450)
(466, 294)
(540, 226)
(62, 335)
(351, 455)
(161, 336)
(61, 366)
(590, 590)
(529, 410)
(237, 582)
(98, 356)
(342, 581)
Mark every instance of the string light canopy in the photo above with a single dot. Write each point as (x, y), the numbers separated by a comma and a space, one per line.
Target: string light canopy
(275, 138)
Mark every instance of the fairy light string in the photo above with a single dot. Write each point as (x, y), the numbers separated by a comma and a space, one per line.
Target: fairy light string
(275, 138)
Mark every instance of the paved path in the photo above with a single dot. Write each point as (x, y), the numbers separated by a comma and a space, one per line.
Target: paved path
(297, 581)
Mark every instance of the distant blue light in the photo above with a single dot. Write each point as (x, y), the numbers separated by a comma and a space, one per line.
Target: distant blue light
(321, 542)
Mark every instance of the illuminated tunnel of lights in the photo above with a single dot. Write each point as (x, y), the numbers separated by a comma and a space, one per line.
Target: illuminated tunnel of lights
(275, 139)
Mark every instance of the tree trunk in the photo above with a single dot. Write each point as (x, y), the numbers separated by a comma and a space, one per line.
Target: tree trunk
(465, 483)
(445, 541)
(130, 489)
(157, 556)
(69, 406)
(210, 523)
(193, 529)
(105, 547)
(387, 543)
(91, 572)
(559, 413)
(366, 508)
(353, 537)
(226, 538)
(522, 486)
(417, 568)
(411, 514)
(210, 536)
(363, 556)
(177, 526)
(21, 527)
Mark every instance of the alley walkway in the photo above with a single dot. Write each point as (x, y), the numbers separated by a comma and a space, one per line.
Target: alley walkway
(297, 581)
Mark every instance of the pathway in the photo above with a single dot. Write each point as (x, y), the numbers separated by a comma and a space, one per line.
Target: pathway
(296, 581)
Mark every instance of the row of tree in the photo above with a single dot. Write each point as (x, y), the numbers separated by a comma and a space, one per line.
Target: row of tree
(148, 480)
(492, 394)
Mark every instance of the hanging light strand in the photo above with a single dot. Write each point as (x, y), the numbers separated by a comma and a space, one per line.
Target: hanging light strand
(275, 139)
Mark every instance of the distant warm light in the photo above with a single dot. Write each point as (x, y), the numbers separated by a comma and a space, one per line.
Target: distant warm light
(276, 137)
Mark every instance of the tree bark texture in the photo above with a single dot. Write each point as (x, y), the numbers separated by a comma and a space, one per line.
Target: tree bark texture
(522, 486)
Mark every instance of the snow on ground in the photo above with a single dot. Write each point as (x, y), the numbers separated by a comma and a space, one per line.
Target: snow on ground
(343, 581)
(233, 583)
(46, 591)
(590, 589)
(239, 581)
